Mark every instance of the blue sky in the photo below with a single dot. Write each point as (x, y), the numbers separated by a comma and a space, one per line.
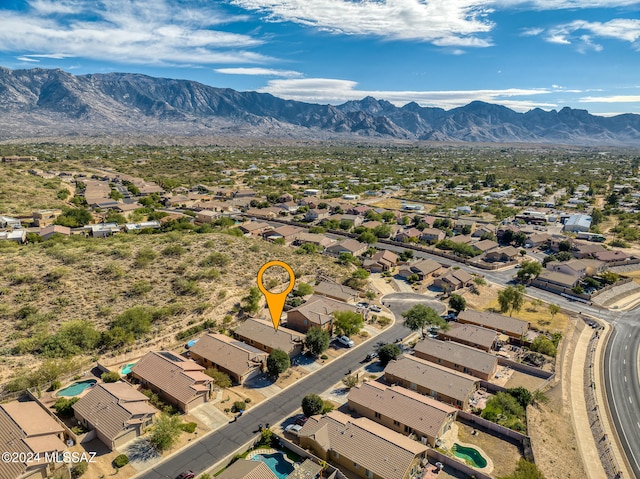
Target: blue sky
(519, 53)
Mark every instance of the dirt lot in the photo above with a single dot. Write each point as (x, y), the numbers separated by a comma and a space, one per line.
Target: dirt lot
(537, 314)
(504, 455)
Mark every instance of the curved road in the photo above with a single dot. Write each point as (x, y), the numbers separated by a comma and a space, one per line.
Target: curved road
(209, 450)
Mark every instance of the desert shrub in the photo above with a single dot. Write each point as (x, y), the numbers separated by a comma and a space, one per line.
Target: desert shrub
(174, 250)
(120, 461)
(110, 377)
(189, 427)
(64, 406)
(79, 469)
(239, 406)
(543, 345)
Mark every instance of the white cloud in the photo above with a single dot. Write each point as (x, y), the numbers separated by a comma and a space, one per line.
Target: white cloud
(564, 4)
(328, 90)
(623, 29)
(127, 31)
(443, 22)
(611, 99)
(27, 59)
(532, 32)
(259, 71)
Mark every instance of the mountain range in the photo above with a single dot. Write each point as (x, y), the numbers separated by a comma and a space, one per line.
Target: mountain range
(39, 103)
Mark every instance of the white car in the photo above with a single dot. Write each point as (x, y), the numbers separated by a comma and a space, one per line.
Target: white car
(375, 309)
(344, 340)
(293, 429)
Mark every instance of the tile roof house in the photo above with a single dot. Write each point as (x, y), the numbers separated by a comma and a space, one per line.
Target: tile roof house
(245, 469)
(485, 245)
(313, 238)
(316, 312)
(612, 256)
(48, 231)
(402, 410)
(474, 336)
(512, 327)
(260, 334)
(336, 291)
(536, 240)
(432, 380)
(179, 381)
(457, 356)
(347, 246)
(425, 268)
(116, 411)
(453, 280)
(504, 254)
(287, 232)
(406, 235)
(554, 280)
(253, 228)
(432, 235)
(585, 250)
(235, 358)
(381, 261)
(363, 447)
(26, 428)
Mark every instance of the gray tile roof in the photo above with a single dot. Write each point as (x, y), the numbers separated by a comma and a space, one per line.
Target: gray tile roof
(262, 332)
(495, 321)
(336, 290)
(110, 408)
(422, 413)
(457, 353)
(372, 446)
(432, 376)
(244, 469)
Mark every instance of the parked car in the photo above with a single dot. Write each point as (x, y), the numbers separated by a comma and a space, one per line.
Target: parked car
(293, 429)
(371, 356)
(375, 309)
(345, 341)
(362, 305)
(301, 420)
(186, 475)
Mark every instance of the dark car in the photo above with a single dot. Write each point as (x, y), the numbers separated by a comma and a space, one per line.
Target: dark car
(186, 475)
(372, 355)
(300, 420)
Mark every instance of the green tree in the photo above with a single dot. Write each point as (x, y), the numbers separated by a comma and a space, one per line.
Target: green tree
(553, 310)
(511, 299)
(596, 217)
(543, 345)
(220, 379)
(165, 432)
(529, 270)
(251, 302)
(457, 303)
(388, 352)
(346, 258)
(522, 395)
(64, 406)
(74, 217)
(368, 237)
(312, 404)
(277, 362)
(317, 341)
(420, 317)
(303, 289)
(525, 470)
(347, 322)
(110, 377)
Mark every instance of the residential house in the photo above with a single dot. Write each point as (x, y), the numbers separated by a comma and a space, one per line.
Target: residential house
(240, 361)
(586, 250)
(253, 228)
(27, 429)
(464, 359)
(143, 225)
(316, 312)
(556, 241)
(612, 256)
(103, 230)
(470, 335)
(537, 240)
(575, 267)
(44, 218)
(247, 469)
(361, 446)
(483, 230)
(316, 214)
(370, 225)
(424, 268)
(19, 236)
(286, 232)
(179, 381)
(484, 246)
(462, 239)
(432, 235)
(245, 193)
(319, 240)
(48, 231)
(116, 411)
(207, 216)
(347, 246)
(381, 261)
(512, 327)
(556, 281)
(409, 235)
(502, 255)
(10, 222)
(290, 207)
(431, 379)
(464, 227)
(261, 335)
(453, 280)
(336, 291)
(402, 410)
(359, 210)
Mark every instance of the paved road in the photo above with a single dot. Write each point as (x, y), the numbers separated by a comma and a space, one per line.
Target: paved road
(215, 447)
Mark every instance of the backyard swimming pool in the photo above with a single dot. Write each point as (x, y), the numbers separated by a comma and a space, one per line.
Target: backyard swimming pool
(126, 369)
(469, 454)
(277, 462)
(76, 388)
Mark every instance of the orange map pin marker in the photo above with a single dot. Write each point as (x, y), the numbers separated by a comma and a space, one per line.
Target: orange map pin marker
(275, 301)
